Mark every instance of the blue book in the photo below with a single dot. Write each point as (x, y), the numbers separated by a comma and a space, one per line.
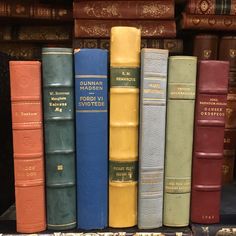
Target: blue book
(91, 68)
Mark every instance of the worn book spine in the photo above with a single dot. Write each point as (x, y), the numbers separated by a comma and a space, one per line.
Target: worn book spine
(213, 230)
(91, 95)
(205, 47)
(227, 52)
(208, 22)
(179, 139)
(124, 10)
(32, 10)
(101, 28)
(39, 33)
(26, 102)
(23, 51)
(212, 7)
(209, 141)
(152, 137)
(175, 46)
(58, 92)
(124, 121)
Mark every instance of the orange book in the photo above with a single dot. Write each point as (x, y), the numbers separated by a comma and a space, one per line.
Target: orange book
(26, 101)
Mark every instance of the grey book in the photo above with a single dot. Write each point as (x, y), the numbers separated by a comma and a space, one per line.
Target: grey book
(152, 136)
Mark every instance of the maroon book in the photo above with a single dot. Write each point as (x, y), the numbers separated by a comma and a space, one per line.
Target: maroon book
(205, 47)
(158, 9)
(208, 144)
(209, 22)
(101, 28)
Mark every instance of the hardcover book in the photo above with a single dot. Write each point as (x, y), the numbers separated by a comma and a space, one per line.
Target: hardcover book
(205, 47)
(209, 141)
(58, 92)
(124, 121)
(211, 7)
(101, 28)
(208, 22)
(26, 101)
(91, 93)
(227, 50)
(179, 138)
(124, 10)
(152, 137)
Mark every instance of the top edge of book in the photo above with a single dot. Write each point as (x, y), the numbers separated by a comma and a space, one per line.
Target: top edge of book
(76, 50)
(57, 49)
(163, 51)
(183, 58)
(25, 62)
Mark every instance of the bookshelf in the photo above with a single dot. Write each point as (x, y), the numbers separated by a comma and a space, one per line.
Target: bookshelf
(7, 222)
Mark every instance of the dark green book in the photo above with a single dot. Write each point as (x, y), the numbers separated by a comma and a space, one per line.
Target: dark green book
(59, 137)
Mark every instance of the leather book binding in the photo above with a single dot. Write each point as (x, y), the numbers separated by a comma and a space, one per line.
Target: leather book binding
(102, 28)
(91, 96)
(58, 94)
(124, 10)
(152, 137)
(179, 138)
(208, 22)
(124, 122)
(211, 7)
(174, 46)
(227, 52)
(209, 141)
(26, 101)
(33, 10)
(205, 47)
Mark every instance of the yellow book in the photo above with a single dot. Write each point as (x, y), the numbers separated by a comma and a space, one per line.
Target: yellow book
(124, 113)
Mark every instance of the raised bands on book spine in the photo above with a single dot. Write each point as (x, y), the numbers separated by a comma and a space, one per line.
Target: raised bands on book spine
(26, 100)
(58, 93)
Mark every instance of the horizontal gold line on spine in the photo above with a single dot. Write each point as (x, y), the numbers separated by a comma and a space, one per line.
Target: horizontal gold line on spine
(91, 76)
(118, 125)
(89, 111)
(62, 224)
(155, 78)
(57, 53)
(124, 87)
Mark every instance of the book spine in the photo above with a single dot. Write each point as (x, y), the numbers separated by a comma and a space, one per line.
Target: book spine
(212, 7)
(175, 46)
(179, 139)
(209, 141)
(59, 137)
(152, 135)
(21, 51)
(209, 22)
(26, 101)
(205, 47)
(39, 33)
(124, 112)
(124, 10)
(91, 93)
(24, 9)
(102, 28)
(227, 52)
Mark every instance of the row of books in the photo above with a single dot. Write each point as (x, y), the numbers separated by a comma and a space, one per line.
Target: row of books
(139, 127)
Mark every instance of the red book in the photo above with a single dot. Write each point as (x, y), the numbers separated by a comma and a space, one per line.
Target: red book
(208, 22)
(158, 9)
(211, 7)
(208, 144)
(102, 28)
(32, 9)
(26, 101)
